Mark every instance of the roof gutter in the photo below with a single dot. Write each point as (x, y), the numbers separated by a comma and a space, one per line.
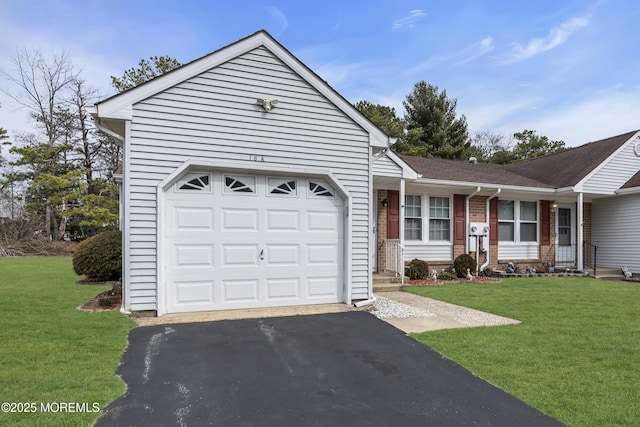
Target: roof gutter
(486, 186)
(630, 190)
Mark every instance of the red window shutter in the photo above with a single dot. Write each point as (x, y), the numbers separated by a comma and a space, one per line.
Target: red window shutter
(493, 221)
(393, 214)
(545, 222)
(459, 229)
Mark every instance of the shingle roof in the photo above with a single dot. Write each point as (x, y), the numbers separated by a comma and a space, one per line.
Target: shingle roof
(558, 170)
(634, 181)
(463, 171)
(567, 168)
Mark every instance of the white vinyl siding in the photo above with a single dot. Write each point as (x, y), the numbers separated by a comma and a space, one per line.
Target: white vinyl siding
(615, 229)
(615, 172)
(215, 116)
(384, 166)
(429, 252)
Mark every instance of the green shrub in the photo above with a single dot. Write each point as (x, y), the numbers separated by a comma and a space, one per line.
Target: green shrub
(446, 275)
(464, 262)
(418, 269)
(100, 256)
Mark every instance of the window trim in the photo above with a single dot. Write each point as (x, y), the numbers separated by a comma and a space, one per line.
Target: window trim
(272, 185)
(517, 222)
(420, 218)
(185, 181)
(430, 218)
(243, 179)
(425, 219)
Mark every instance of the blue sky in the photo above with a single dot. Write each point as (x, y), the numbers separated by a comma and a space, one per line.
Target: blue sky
(568, 69)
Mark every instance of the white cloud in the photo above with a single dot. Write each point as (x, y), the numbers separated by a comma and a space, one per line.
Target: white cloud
(464, 55)
(557, 36)
(476, 50)
(408, 21)
(596, 118)
(280, 21)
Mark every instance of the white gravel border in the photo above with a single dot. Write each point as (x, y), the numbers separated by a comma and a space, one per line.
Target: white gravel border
(385, 308)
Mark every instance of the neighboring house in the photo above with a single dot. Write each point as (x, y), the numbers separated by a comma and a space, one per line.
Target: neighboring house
(548, 211)
(248, 182)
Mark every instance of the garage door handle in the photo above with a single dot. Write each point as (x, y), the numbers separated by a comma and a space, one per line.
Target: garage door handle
(262, 254)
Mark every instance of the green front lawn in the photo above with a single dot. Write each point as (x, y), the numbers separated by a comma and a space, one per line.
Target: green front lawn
(51, 353)
(576, 355)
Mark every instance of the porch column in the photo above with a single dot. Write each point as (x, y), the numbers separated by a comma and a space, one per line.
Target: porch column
(580, 242)
(401, 197)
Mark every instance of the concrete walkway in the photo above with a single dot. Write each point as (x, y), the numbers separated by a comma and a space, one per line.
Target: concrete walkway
(445, 315)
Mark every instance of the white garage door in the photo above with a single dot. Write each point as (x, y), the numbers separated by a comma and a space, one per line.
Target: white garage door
(245, 241)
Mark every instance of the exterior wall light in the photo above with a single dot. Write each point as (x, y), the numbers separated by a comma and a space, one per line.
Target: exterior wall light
(267, 104)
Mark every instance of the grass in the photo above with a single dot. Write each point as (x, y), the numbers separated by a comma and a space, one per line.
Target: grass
(576, 355)
(50, 352)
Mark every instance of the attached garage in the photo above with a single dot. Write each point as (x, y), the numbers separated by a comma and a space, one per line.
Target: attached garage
(246, 183)
(252, 240)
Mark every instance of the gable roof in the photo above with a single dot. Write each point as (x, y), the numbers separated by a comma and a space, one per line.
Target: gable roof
(111, 112)
(463, 171)
(571, 166)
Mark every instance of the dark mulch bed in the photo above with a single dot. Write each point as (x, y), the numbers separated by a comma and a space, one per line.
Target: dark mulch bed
(439, 282)
(109, 300)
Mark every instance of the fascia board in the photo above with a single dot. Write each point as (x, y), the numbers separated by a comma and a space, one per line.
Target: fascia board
(485, 186)
(407, 171)
(630, 190)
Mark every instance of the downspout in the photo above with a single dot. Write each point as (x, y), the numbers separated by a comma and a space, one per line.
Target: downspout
(466, 217)
(365, 302)
(401, 227)
(483, 266)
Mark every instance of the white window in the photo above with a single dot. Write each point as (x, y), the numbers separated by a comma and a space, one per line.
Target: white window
(194, 182)
(413, 217)
(283, 187)
(437, 222)
(439, 219)
(528, 221)
(320, 189)
(517, 221)
(239, 184)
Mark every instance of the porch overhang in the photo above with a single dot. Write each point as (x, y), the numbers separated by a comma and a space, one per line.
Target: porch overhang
(468, 188)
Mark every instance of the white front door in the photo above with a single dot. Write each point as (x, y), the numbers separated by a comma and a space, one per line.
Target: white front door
(245, 241)
(565, 236)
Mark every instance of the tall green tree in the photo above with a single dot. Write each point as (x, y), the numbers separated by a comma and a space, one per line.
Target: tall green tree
(530, 145)
(4, 136)
(433, 129)
(146, 70)
(382, 116)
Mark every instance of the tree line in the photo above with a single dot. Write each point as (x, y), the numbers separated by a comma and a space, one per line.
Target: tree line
(59, 177)
(430, 127)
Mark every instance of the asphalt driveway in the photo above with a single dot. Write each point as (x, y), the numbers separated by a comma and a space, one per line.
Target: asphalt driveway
(343, 369)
